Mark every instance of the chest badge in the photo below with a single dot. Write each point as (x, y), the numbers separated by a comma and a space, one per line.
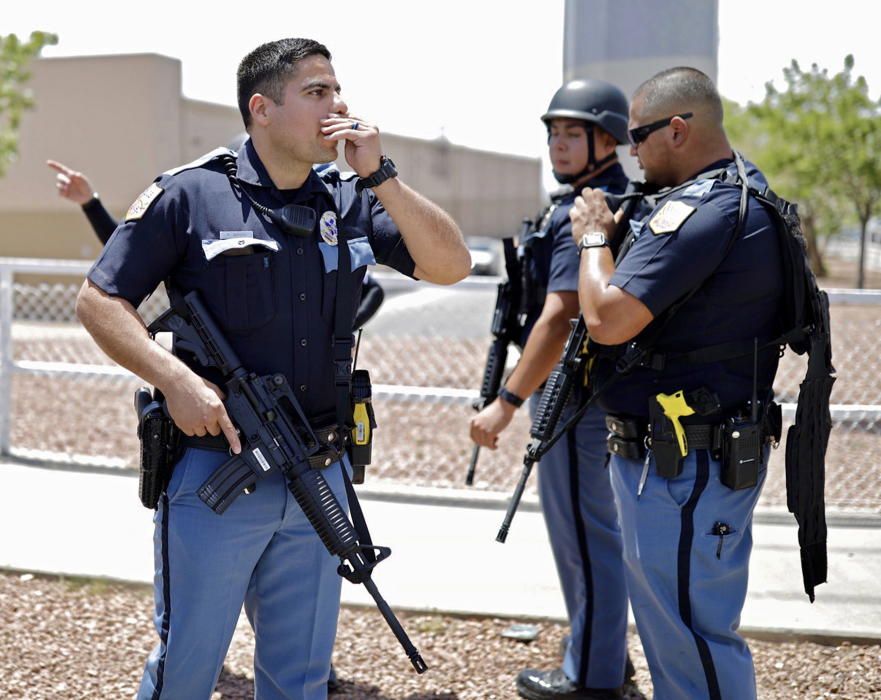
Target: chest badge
(328, 228)
(670, 217)
(142, 203)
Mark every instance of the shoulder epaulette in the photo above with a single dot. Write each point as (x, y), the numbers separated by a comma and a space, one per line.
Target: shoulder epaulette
(330, 171)
(559, 194)
(201, 160)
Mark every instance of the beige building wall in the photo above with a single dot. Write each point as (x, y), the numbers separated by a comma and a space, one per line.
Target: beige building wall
(122, 121)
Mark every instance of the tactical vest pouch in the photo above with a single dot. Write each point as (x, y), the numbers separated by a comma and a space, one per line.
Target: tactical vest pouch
(159, 438)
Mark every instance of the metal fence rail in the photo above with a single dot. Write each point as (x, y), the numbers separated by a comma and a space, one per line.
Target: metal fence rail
(62, 399)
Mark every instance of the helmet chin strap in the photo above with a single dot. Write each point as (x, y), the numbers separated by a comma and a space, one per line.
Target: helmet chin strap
(592, 163)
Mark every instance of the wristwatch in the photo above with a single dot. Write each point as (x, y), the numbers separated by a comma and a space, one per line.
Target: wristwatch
(386, 171)
(510, 397)
(594, 239)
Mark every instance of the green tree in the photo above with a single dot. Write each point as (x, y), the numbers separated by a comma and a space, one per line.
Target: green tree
(15, 57)
(819, 141)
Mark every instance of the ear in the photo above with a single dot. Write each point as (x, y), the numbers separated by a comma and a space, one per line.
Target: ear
(260, 107)
(608, 140)
(679, 132)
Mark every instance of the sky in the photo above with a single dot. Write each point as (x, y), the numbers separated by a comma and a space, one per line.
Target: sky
(480, 72)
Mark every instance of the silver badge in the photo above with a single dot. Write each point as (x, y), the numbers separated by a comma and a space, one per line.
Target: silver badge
(328, 228)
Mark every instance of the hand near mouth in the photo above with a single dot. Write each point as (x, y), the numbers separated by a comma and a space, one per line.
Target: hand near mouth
(363, 147)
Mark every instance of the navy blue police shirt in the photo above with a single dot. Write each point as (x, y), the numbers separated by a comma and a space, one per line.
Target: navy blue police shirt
(738, 298)
(550, 252)
(273, 294)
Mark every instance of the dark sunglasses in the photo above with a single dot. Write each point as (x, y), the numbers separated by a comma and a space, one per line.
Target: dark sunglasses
(640, 133)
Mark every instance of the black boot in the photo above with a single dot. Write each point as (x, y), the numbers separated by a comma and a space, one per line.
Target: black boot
(629, 670)
(555, 685)
(333, 684)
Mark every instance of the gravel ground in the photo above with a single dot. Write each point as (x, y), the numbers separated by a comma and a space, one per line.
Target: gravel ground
(74, 639)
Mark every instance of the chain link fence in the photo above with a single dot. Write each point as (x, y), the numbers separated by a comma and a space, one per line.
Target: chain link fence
(62, 399)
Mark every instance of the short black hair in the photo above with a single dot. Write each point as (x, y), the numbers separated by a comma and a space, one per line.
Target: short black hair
(268, 68)
(680, 88)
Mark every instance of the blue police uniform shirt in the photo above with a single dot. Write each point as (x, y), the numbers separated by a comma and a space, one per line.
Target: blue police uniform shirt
(273, 294)
(553, 256)
(739, 298)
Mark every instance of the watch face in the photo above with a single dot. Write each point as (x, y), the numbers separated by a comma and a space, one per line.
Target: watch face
(594, 239)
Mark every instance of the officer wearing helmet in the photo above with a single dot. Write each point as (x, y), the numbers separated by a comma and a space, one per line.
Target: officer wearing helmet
(586, 122)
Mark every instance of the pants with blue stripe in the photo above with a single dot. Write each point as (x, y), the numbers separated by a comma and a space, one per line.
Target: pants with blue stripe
(687, 584)
(582, 522)
(261, 552)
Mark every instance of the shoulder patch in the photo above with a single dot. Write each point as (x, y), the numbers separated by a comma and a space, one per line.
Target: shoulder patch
(142, 203)
(670, 217)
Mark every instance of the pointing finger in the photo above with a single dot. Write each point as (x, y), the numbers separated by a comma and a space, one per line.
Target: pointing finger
(59, 167)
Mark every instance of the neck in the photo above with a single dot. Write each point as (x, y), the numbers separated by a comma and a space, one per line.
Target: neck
(699, 161)
(582, 181)
(286, 173)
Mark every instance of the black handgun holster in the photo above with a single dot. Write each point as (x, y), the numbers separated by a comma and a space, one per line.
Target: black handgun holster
(160, 442)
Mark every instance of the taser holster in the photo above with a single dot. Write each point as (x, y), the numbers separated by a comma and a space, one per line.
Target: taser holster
(364, 423)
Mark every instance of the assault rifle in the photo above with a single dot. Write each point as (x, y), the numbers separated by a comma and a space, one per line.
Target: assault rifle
(561, 384)
(276, 435)
(557, 392)
(506, 328)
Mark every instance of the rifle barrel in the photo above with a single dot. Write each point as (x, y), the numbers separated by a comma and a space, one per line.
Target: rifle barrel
(515, 499)
(472, 466)
(411, 651)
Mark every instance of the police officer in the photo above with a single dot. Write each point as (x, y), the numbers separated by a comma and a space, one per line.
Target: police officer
(586, 121)
(272, 290)
(701, 278)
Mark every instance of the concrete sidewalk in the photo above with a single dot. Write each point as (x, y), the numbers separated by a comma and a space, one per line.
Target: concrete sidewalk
(89, 522)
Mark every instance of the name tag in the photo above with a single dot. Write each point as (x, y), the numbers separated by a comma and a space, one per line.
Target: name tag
(214, 248)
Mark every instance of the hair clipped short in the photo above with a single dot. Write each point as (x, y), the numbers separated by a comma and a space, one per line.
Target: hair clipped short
(267, 69)
(679, 88)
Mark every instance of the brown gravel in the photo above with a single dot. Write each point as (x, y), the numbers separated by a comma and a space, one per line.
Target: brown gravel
(76, 639)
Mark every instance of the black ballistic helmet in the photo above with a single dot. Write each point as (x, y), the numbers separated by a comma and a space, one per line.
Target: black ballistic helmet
(594, 101)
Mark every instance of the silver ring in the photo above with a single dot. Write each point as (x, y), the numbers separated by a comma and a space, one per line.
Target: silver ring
(354, 126)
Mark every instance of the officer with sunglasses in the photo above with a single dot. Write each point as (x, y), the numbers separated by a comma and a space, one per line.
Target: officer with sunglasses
(703, 272)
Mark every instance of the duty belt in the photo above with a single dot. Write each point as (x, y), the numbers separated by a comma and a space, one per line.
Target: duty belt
(328, 438)
(627, 436)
